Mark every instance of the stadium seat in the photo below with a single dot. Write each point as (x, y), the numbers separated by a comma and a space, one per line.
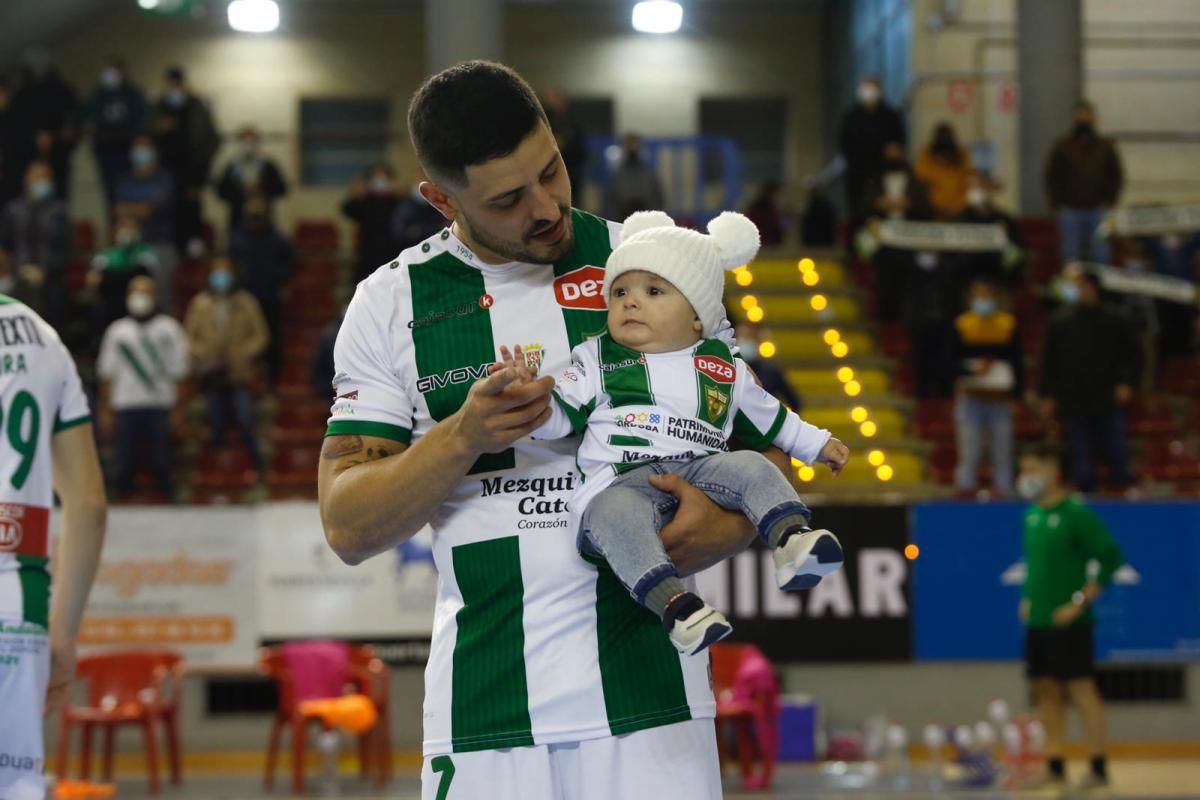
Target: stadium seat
(294, 468)
(1151, 416)
(140, 688)
(316, 234)
(934, 419)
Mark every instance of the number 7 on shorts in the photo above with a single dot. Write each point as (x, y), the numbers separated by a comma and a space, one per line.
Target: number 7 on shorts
(444, 765)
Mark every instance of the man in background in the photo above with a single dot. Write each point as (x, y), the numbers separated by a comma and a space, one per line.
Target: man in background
(1084, 179)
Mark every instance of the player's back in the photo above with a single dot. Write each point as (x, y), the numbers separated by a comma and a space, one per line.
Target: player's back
(40, 394)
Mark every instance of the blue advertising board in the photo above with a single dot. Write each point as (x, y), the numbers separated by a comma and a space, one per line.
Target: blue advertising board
(966, 582)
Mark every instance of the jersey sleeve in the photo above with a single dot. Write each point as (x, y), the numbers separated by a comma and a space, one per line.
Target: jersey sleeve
(762, 421)
(575, 393)
(106, 362)
(72, 404)
(178, 361)
(370, 397)
(1098, 543)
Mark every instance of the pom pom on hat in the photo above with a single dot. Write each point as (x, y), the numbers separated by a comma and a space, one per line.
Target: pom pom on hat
(640, 221)
(736, 237)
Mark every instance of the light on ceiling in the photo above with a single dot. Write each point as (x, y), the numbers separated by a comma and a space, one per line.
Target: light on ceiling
(254, 16)
(657, 16)
(149, 5)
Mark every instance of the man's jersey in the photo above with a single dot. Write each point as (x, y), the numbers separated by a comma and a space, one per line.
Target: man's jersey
(40, 395)
(636, 407)
(531, 644)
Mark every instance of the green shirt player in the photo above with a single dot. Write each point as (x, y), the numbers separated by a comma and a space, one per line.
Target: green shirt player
(545, 679)
(1062, 539)
(46, 446)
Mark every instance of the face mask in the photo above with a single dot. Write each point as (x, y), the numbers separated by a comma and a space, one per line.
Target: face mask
(126, 236)
(1068, 292)
(381, 184)
(248, 150)
(1084, 129)
(40, 190)
(868, 94)
(220, 282)
(976, 197)
(142, 156)
(7, 284)
(176, 97)
(110, 77)
(983, 306)
(140, 305)
(1030, 486)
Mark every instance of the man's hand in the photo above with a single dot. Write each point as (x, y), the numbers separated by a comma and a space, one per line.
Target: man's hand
(702, 533)
(1123, 394)
(835, 454)
(499, 410)
(513, 359)
(1023, 611)
(1066, 614)
(62, 672)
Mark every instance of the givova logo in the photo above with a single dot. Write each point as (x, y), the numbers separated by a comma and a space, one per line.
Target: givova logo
(452, 377)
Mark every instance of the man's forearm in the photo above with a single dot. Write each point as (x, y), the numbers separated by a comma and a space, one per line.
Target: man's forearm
(374, 505)
(75, 564)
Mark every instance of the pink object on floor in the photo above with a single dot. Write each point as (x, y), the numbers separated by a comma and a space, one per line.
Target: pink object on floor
(319, 668)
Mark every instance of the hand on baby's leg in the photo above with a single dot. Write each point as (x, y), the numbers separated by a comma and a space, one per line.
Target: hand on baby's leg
(514, 358)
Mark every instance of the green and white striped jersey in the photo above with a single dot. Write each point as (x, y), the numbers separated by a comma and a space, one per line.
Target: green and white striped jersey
(531, 644)
(634, 407)
(40, 395)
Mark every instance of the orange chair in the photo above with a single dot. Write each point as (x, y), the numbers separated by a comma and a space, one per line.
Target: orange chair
(140, 688)
(748, 706)
(368, 675)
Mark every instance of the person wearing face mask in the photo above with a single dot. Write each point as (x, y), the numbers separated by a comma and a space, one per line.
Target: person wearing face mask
(867, 127)
(1003, 267)
(143, 357)
(227, 337)
(1090, 362)
(1084, 179)
(895, 193)
(149, 194)
(187, 141)
(113, 268)
(944, 166)
(23, 285)
(264, 258)
(371, 204)
(770, 376)
(1063, 537)
(114, 114)
(249, 174)
(986, 352)
(36, 229)
(634, 185)
(49, 107)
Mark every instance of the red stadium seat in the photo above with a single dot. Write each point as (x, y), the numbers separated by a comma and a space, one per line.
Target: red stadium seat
(1151, 416)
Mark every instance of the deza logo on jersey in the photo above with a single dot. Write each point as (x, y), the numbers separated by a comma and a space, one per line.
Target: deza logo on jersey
(718, 369)
(582, 288)
(11, 534)
(452, 377)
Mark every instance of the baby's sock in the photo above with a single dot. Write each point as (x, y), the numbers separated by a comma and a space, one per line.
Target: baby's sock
(658, 597)
(785, 527)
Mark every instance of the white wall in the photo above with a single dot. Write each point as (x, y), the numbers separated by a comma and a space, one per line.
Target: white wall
(656, 82)
(1141, 85)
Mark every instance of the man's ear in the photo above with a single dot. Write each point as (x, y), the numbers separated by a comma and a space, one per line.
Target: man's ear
(439, 199)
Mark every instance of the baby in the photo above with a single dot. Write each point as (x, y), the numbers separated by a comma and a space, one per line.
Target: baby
(658, 394)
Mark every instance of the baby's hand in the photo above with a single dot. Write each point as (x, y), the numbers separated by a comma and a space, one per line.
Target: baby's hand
(515, 359)
(835, 454)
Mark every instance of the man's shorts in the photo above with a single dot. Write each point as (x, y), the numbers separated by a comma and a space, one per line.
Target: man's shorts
(664, 763)
(24, 674)
(1064, 654)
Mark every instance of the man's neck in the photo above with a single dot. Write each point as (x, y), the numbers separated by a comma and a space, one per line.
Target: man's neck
(1052, 497)
(482, 253)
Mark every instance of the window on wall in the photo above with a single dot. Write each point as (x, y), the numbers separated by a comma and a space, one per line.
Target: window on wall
(341, 138)
(757, 125)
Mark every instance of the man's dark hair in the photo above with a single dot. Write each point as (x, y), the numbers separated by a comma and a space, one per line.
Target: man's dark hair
(469, 114)
(1048, 453)
(1084, 105)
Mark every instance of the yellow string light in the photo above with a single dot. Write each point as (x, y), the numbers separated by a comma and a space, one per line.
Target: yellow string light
(749, 301)
(875, 458)
(868, 429)
(811, 279)
(819, 302)
(807, 265)
(755, 314)
(840, 350)
(859, 414)
(884, 472)
(853, 388)
(806, 473)
(845, 374)
(832, 336)
(766, 349)
(744, 278)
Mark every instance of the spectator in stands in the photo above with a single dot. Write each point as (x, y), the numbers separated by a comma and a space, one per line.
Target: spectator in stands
(115, 267)
(1089, 365)
(264, 258)
(766, 211)
(372, 205)
(1063, 539)
(571, 139)
(16, 146)
(770, 376)
(321, 372)
(50, 109)
(1177, 256)
(867, 128)
(987, 355)
(36, 230)
(187, 141)
(1084, 179)
(227, 336)
(149, 194)
(23, 284)
(895, 193)
(633, 185)
(250, 174)
(115, 114)
(1003, 267)
(944, 166)
(143, 357)
(818, 222)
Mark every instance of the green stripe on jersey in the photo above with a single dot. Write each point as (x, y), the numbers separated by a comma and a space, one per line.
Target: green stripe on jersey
(489, 708)
(714, 397)
(592, 248)
(380, 430)
(624, 375)
(35, 589)
(441, 286)
(619, 440)
(750, 436)
(639, 667)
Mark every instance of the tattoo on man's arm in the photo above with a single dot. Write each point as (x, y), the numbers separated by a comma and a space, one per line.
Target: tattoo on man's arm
(340, 446)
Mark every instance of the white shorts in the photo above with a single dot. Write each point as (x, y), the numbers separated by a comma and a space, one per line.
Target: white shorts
(661, 763)
(24, 675)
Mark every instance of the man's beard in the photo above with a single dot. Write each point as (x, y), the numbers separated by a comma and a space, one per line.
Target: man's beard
(520, 251)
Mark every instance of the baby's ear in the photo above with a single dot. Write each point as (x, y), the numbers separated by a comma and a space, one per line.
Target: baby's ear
(697, 325)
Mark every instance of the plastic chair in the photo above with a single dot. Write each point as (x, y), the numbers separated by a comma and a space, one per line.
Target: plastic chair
(140, 688)
(318, 670)
(748, 705)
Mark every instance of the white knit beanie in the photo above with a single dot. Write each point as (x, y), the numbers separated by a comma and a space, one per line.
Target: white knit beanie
(694, 263)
